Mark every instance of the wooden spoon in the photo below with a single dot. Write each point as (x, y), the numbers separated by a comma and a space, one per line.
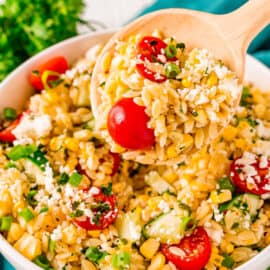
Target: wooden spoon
(226, 36)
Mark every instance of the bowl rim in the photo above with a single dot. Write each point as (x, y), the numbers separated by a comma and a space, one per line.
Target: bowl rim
(6, 249)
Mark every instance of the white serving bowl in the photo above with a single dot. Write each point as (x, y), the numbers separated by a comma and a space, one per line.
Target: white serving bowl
(15, 90)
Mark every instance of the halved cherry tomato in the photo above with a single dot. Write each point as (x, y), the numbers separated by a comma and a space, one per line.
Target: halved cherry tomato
(254, 179)
(104, 211)
(127, 125)
(148, 50)
(57, 64)
(6, 134)
(192, 253)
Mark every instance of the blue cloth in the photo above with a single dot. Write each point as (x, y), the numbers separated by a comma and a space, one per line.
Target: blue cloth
(260, 47)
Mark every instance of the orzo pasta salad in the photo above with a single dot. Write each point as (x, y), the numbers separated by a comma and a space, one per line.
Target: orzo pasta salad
(68, 203)
(160, 102)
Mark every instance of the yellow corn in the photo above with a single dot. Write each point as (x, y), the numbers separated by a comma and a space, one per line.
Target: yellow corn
(5, 203)
(157, 262)
(69, 235)
(55, 143)
(29, 246)
(212, 80)
(170, 176)
(223, 196)
(186, 82)
(229, 133)
(149, 248)
(71, 144)
(240, 143)
(94, 234)
(171, 151)
(226, 247)
(15, 232)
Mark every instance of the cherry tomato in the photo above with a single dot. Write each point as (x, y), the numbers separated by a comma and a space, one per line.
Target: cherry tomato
(255, 178)
(104, 211)
(6, 134)
(148, 50)
(116, 162)
(127, 125)
(194, 251)
(57, 64)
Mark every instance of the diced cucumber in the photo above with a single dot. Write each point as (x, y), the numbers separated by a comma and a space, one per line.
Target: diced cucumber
(167, 228)
(128, 226)
(157, 183)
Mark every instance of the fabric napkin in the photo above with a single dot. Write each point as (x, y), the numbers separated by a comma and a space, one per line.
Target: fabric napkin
(260, 47)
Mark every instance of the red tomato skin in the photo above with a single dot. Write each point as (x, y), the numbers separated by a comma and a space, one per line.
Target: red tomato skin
(242, 184)
(197, 250)
(149, 74)
(127, 125)
(58, 64)
(145, 47)
(6, 134)
(105, 220)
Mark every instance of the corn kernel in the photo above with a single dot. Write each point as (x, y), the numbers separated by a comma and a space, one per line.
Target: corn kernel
(5, 203)
(187, 141)
(229, 133)
(55, 143)
(223, 196)
(186, 82)
(171, 151)
(157, 262)
(15, 232)
(170, 176)
(240, 143)
(226, 247)
(212, 80)
(69, 235)
(149, 248)
(94, 234)
(71, 144)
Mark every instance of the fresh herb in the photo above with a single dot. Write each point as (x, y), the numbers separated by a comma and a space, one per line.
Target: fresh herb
(21, 151)
(181, 164)
(169, 193)
(77, 213)
(30, 197)
(55, 83)
(10, 165)
(96, 219)
(26, 214)
(102, 84)
(107, 190)
(121, 260)
(43, 262)
(44, 210)
(227, 262)
(253, 123)
(101, 207)
(63, 179)
(195, 114)
(75, 205)
(9, 114)
(40, 25)
(95, 255)
(245, 96)
(181, 46)
(171, 70)
(5, 223)
(75, 179)
(225, 183)
(235, 225)
(170, 51)
(38, 158)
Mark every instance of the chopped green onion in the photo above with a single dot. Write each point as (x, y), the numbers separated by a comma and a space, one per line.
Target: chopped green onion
(77, 213)
(63, 179)
(21, 151)
(56, 82)
(10, 165)
(245, 95)
(225, 183)
(121, 260)
(26, 214)
(171, 70)
(30, 197)
(107, 190)
(170, 51)
(9, 113)
(75, 179)
(5, 223)
(51, 245)
(42, 262)
(45, 78)
(94, 254)
(228, 262)
(44, 210)
(38, 158)
(181, 46)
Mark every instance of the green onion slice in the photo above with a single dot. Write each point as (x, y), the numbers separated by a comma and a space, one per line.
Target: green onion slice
(26, 214)
(172, 70)
(75, 179)
(45, 78)
(170, 51)
(121, 260)
(5, 223)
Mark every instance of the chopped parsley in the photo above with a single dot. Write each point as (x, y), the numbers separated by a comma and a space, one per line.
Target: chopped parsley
(225, 183)
(30, 197)
(101, 207)
(63, 179)
(76, 213)
(245, 96)
(107, 190)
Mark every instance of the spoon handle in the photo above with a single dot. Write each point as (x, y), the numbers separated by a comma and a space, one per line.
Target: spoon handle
(242, 25)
